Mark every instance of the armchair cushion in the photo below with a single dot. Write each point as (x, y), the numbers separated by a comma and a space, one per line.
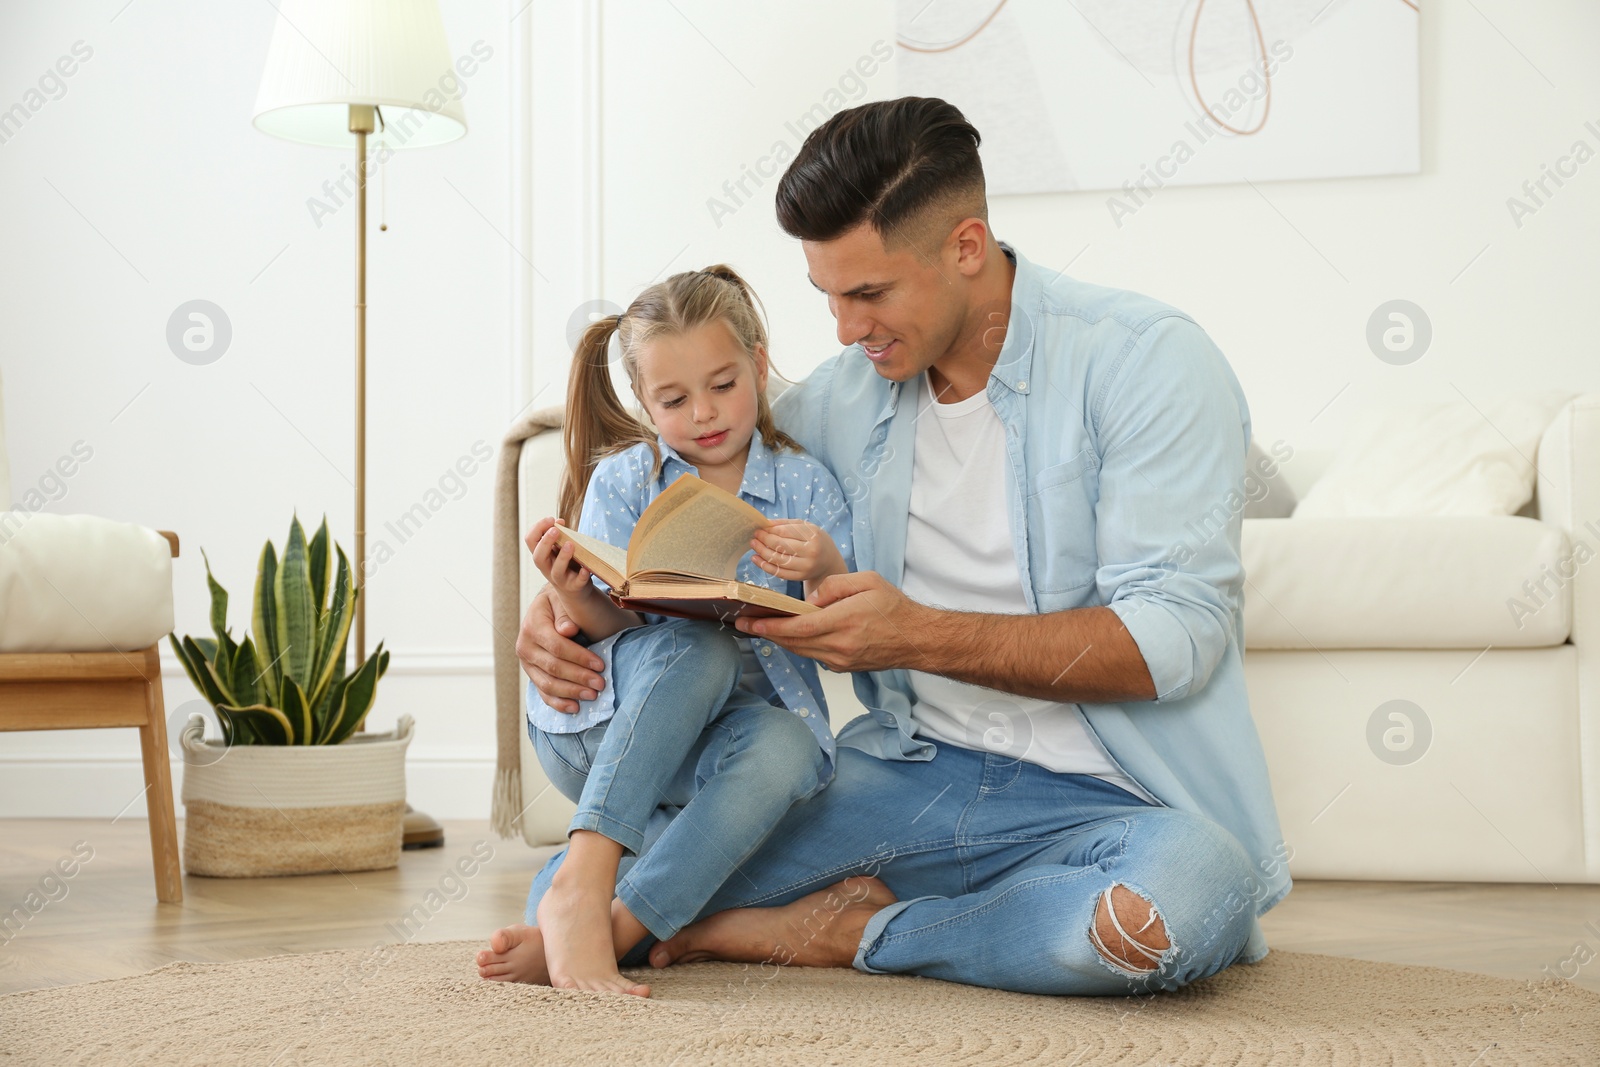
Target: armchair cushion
(77, 583)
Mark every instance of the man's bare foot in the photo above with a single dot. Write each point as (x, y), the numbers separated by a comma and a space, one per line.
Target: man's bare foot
(578, 949)
(515, 954)
(820, 930)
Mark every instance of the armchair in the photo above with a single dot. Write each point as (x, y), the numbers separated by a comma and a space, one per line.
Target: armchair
(83, 603)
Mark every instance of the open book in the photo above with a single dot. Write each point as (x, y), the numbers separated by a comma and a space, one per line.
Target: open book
(683, 555)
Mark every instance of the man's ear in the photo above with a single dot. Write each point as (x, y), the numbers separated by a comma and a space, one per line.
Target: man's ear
(971, 240)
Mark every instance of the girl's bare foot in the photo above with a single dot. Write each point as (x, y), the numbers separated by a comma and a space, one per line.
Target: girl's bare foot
(578, 947)
(515, 954)
(819, 930)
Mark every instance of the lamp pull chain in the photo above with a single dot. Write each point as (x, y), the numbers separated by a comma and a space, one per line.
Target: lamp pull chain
(383, 179)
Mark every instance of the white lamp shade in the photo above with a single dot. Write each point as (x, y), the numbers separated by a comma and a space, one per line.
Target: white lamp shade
(329, 54)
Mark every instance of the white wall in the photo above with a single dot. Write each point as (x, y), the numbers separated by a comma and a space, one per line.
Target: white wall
(1284, 275)
(599, 133)
(145, 185)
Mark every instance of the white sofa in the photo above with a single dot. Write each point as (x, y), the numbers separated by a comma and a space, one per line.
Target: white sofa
(1345, 616)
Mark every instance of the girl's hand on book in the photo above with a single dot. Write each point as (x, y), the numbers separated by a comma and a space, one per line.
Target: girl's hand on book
(797, 552)
(554, 560)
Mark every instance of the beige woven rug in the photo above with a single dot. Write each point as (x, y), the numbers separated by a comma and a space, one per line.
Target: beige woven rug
(424, 1004)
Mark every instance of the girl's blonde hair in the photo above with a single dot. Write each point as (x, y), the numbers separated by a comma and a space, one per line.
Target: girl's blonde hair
(597, 424)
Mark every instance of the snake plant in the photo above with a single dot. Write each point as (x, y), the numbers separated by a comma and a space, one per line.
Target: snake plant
(288, 686)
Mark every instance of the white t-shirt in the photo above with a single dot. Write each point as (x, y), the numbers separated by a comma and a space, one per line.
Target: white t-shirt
(959, 555)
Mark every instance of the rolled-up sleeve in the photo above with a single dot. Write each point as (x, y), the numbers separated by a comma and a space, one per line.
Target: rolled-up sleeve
(1172, 431)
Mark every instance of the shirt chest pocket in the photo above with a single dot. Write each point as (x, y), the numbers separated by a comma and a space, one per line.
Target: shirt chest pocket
(1061, 524)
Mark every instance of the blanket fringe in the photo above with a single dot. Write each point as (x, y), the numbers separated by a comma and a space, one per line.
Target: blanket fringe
(505, 815)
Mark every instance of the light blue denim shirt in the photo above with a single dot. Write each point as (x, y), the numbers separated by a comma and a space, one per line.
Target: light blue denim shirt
(1126, 433)
(780, 485)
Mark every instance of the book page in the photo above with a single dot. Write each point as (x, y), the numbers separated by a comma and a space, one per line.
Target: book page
(598, 556)
(695, 528)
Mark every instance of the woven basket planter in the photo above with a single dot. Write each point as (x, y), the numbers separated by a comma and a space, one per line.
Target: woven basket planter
(260, 810)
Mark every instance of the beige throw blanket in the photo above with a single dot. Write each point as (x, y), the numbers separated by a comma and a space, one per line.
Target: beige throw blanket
(506, 618)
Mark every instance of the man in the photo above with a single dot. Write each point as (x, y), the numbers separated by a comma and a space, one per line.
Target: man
(1058, 787)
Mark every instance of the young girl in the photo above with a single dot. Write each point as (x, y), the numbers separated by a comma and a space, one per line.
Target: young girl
(731, 729)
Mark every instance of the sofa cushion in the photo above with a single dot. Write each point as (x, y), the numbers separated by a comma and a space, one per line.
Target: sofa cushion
(1267, 492)
(77, 583)
(1457, 457)
(1424, 582)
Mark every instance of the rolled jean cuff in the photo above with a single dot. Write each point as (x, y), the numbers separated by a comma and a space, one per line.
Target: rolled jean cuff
(630, 839)
(659, 925)
(874, 932)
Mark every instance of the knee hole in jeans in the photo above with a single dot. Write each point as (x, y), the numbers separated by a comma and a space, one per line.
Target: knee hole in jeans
(1128, 932)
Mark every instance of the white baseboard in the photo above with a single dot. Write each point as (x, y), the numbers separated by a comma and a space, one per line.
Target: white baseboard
(108, 788)
(449, 691)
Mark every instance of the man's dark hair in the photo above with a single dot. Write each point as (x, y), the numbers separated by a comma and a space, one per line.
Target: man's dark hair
(887, 163)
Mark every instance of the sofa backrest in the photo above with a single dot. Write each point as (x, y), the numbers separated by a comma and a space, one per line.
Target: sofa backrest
(1302, 469)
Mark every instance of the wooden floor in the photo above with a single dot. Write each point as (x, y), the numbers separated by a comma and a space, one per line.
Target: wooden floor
(104, 921)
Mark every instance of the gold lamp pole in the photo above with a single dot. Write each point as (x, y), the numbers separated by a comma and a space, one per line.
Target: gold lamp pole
(330, 66)
(362, 122)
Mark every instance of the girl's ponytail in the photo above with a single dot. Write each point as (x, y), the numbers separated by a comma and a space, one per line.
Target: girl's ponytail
(596, 422)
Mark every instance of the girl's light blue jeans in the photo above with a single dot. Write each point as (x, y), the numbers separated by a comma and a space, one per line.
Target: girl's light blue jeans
(998, 865)
(714, 765)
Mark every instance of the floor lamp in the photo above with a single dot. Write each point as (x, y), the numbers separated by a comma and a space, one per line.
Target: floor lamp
(338, 69)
